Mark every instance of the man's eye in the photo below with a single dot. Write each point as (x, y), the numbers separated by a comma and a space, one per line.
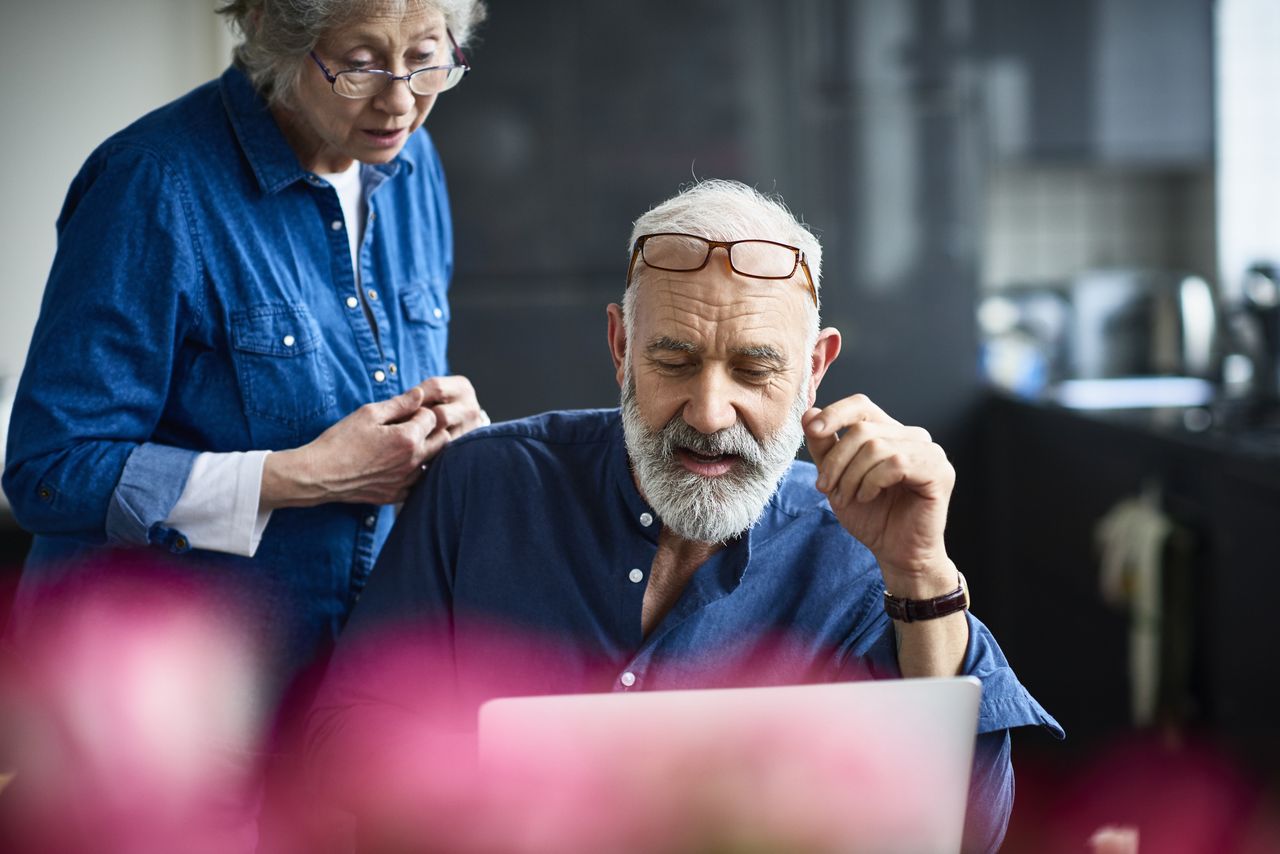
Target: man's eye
(755, 374)
(671, 367)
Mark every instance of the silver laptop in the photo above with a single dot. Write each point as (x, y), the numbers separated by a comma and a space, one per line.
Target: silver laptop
(877, 766)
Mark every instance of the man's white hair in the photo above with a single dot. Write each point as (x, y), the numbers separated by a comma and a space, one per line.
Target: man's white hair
(718, 209)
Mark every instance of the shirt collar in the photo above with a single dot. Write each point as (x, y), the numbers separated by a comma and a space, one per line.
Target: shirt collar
(273, 162)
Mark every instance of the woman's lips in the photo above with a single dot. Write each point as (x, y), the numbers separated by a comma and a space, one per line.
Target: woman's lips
(385, 138)
(706, 466)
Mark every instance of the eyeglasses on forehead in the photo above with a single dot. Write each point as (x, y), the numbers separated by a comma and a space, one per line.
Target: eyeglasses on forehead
(754, 258)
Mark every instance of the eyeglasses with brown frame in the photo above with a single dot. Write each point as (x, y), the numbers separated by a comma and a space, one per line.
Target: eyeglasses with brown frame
(687, 253)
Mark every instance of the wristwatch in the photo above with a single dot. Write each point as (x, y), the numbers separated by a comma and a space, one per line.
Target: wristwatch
(913, 610)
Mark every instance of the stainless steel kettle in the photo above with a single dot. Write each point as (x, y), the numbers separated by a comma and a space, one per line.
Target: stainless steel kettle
(1142, 322)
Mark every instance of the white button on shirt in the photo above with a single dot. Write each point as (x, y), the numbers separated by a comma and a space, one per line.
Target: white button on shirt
(628, 679)
(379, 376)
(289, 341)
(636, 576)
(336, 225)
(352, 302)
(646, 519)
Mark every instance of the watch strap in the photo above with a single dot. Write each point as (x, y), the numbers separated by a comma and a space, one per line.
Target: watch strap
(914, 610)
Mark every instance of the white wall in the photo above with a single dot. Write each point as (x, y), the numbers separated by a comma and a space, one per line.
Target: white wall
(71, 73)
(1248, 136)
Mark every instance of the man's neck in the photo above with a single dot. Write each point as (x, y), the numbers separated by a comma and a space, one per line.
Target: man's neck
(674, 564)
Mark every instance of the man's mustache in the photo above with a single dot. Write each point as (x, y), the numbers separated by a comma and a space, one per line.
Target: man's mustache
(736, 440)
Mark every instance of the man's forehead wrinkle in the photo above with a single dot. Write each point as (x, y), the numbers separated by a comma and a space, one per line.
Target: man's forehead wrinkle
(694, 308)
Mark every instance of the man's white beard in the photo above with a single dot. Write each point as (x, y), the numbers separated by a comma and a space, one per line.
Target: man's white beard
(709, 509)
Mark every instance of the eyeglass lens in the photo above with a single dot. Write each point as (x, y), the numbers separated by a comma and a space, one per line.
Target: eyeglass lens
(681, 253)
(428, 81)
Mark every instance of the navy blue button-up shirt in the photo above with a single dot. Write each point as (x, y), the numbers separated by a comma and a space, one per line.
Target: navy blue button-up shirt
(202, 299)
(538, 525)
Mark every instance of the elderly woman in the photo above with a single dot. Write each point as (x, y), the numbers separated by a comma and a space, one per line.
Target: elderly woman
(240, 357)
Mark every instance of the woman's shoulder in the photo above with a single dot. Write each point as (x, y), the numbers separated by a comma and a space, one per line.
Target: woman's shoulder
(176, 133)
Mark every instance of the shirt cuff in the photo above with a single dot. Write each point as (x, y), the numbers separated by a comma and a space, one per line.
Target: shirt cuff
(149, 486)
(219, 507)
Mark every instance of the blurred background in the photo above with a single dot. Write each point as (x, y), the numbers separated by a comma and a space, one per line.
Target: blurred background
(1052, 233)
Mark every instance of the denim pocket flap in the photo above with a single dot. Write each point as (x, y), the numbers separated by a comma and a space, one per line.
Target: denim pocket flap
(421, 306)
(275, 330)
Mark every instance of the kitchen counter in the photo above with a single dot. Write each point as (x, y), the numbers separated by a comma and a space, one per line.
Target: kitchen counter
(1049, 475)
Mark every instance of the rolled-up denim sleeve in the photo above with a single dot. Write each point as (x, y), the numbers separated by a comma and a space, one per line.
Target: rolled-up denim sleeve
(122, 292)
(149, 487)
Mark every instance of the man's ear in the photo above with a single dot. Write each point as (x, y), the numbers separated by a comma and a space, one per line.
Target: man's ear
(824, 353)
(617, 340)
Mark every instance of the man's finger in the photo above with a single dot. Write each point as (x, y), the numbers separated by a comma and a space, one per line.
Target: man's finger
(844, 412)
(819, 446)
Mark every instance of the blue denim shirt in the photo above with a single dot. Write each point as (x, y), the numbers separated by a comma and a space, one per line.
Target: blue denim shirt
(202, 299)
(538, 524)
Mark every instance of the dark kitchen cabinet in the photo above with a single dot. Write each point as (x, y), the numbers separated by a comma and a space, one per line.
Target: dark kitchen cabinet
(1050, 475)
(1122, 82)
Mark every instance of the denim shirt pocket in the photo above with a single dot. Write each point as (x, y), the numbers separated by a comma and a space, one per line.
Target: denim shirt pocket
(285, 381)
(426, 314)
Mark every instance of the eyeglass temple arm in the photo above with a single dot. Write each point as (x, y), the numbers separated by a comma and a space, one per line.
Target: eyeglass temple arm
(458, 55)
(327, 74)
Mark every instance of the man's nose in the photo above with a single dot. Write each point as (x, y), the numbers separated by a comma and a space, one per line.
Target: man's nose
(710, 407)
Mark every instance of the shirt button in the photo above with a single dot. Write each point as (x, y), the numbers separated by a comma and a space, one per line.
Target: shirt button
(628, 679)
(391, 369)
(438, 313)
(646, 519)
(180, 544)
(636, 576)
(289, 340)
(379, 377)
(336, 225)
(45, 493)
(370, 521)
(373, 295)
(352, 302)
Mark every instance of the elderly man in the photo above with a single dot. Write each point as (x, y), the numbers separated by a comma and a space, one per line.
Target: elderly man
(677, 543)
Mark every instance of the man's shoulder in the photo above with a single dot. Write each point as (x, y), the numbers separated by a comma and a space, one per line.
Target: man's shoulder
(570, 428)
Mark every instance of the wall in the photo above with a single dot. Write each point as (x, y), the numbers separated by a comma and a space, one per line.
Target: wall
(75, 71)
(1046, 223)
(1248, 125)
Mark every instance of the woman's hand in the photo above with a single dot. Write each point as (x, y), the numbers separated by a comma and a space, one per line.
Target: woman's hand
(372, 456)
(453, 402)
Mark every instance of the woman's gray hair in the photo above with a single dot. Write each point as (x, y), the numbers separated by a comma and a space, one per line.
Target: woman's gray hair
(728, 210)
(277, 35)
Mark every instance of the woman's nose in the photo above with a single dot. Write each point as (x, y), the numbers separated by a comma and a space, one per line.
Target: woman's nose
(397, 99)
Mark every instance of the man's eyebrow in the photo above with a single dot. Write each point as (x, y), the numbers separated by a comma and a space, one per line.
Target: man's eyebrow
(763, 352)
(663, 343)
